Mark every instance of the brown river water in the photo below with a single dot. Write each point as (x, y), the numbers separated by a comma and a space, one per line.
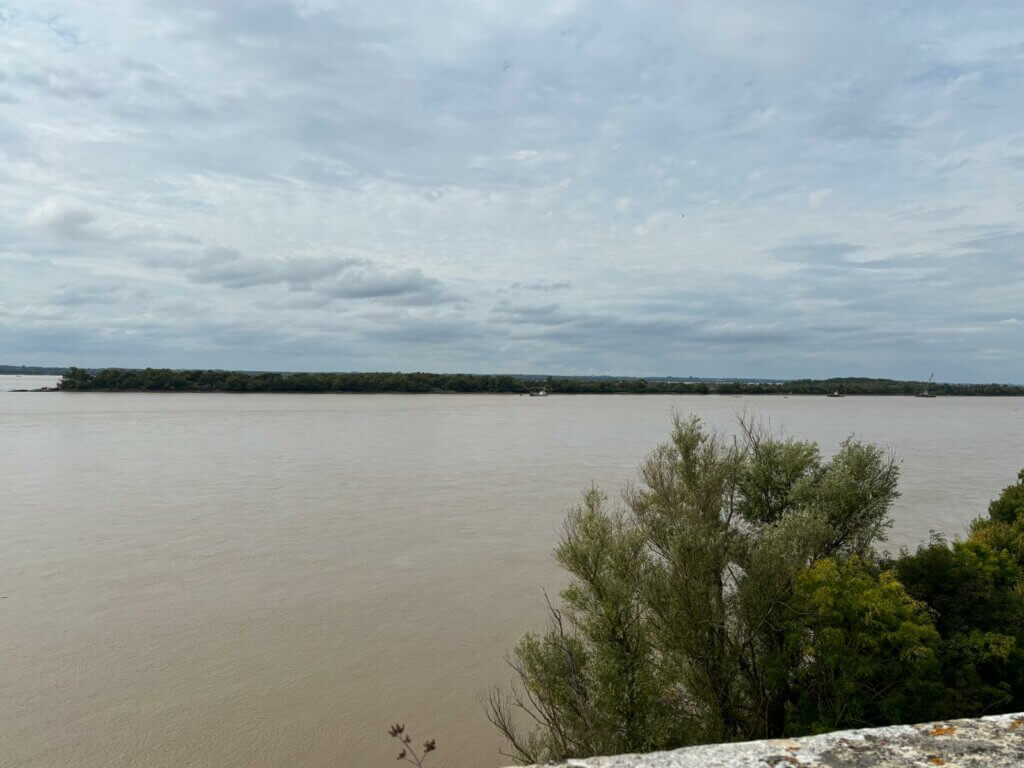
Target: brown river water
(272, 580)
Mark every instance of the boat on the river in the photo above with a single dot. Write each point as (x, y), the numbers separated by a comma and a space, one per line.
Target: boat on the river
(924, 392)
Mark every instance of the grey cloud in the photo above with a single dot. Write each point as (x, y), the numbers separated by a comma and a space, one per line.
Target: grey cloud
(301, 301)
(364, 283)
(62, 83)
(64, 219)
(1008, 244)
(942, 213)
(551, 322)
(82, 295)
(823, 253)
(535, 314)
(445, 330)
(610, 335)
(225, 267)
(303, 271)
(228, 268)
(326, 277)
(540, 285)
(838, 259)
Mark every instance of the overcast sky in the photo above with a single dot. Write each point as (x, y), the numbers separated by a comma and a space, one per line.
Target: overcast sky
(729, 187)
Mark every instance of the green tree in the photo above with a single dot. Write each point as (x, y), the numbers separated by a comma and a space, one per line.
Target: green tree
(1004, 528)
(75, 378)
(975, 593)
(593, 678)
(676, 626)
(869, 650)
(1009, 507)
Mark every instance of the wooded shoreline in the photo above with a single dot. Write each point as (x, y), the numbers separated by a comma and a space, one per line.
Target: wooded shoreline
(167, 380)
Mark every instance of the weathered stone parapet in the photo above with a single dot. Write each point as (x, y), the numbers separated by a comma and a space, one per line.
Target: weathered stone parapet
(988, 742)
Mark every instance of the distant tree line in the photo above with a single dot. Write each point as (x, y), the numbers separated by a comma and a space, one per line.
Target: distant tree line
(865, 386)
(737, 594)
(167, 380)
(30, 370)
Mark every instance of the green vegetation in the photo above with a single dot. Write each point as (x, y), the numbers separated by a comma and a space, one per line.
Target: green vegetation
(167, 380)
(29, 370)
(738, 595)
(164, 379)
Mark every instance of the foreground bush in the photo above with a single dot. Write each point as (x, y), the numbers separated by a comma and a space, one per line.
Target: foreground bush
(975, 589)
(737, 595)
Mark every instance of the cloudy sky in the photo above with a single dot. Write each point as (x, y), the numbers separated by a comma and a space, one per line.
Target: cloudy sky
(703, 188)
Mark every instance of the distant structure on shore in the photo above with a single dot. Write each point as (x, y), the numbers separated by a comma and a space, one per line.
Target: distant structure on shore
(924, 392)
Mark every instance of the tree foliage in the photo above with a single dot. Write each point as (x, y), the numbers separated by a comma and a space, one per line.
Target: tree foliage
(975, 589)
(1004, 527)
(869, 651)
(677, 626)
(593, 677)
(736, 594)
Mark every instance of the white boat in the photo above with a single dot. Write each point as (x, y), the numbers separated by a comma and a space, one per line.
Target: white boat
(539, 393)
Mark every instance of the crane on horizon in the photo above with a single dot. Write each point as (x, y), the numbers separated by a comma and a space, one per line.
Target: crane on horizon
(924, 392)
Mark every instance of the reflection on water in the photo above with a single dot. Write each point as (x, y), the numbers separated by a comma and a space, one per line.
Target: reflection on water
(271, 580)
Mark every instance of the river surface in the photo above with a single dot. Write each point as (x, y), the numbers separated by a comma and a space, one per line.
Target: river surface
(271, 580)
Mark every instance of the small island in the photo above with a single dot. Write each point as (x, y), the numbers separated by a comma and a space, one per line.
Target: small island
(168, 380)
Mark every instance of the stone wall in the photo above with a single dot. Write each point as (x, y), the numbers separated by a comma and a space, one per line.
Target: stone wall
(988, 742)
